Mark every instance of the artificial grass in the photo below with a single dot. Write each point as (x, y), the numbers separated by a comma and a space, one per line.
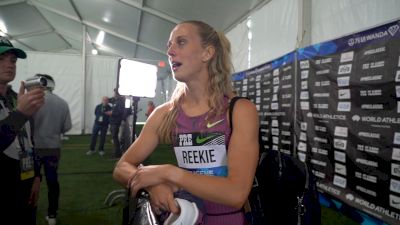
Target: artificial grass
(85, 182)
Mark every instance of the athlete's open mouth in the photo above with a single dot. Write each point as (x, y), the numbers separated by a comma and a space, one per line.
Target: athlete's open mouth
(175, 65)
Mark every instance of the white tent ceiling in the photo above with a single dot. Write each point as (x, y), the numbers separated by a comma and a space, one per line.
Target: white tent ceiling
(132, 28)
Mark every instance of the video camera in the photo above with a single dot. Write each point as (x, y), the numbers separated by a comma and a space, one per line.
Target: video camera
(39, 81)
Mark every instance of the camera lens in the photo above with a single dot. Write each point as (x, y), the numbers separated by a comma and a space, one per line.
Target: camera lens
(43, 82)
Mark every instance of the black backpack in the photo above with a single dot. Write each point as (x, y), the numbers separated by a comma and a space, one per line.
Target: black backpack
(284, 190)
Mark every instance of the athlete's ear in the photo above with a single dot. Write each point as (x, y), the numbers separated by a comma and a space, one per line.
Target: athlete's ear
(208, 53)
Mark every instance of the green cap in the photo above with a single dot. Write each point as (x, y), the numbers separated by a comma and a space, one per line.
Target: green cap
(5, 46)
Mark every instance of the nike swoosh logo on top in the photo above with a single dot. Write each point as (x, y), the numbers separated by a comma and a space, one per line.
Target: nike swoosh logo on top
(209, 125)
(395, 202)
(201, 140)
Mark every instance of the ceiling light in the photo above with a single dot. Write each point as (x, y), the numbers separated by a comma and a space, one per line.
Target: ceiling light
(3, 27)
(94, 52)
(100, 37)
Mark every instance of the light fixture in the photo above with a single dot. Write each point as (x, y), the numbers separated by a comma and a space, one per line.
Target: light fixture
(94, 52)
(100, 37)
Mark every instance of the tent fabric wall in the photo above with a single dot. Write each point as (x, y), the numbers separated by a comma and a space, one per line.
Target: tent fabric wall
(274, 31)
(67, 72)
(239, 46)
(101, 79)
(333, 19)
(275, 25)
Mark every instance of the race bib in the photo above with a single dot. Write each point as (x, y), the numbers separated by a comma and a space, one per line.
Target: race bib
(202, 154)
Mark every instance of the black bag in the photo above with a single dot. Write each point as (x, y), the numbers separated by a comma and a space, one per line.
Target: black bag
(284, 190)
(139, 211)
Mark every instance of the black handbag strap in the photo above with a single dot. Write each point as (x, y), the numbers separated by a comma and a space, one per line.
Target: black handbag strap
(231, 105)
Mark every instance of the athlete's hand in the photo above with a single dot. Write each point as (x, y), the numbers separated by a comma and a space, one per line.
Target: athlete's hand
(29, 102)
(162, 198)
(147, 176)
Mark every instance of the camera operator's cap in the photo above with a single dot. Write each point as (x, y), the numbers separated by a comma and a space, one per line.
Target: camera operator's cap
(5, 46)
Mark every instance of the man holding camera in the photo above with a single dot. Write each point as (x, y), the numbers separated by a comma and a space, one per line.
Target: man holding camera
(51, 121)
(19, 167)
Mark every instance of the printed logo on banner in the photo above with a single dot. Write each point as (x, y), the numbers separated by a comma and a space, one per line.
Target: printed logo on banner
(275, 97)
(347, 57)
(275, 131)
(244, 88)
(356, 118)
(258, 86)
(398, 107)
(395, 185)
(275, 147)
(304, 85)
(399, 63)
(345, 69)
(396, 139)
(304, 74)
(276, 88)
(341, 131)
(305, 105)
(274, 106)
(303, 136)
(393, 29)
(276, 80)
(245, 81)
(394, 201)
(258, 100)
(343, 81)
(396, 170)
(340, 144)
(258, 77)
(302, 156)
(344, 94)
(274, 123)
(340, 169)
(340, 156)
(302, 147)
(340, 181)
(275, 72)
(304, 95)
(350, 197)
(275, 140)
(305, 64)
(396, 154)
(397, 78)
(303, 126)
(344, 106)
(398, 91)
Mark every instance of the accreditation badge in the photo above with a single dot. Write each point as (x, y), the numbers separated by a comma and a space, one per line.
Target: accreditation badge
(100, 118)
(26, 164)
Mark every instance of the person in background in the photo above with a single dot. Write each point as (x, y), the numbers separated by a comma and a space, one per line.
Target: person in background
(102, 114)
(51, 121)
(216, 165)
(117, 115)
(150, 108)
(19, 166)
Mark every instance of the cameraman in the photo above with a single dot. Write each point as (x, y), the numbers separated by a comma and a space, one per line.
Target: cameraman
(19, 167)
(51, 121)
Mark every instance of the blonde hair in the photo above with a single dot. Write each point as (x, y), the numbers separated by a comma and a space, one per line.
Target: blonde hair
(219, 82)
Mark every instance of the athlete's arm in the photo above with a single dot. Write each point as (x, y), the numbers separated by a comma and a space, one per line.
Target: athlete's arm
(143, 146)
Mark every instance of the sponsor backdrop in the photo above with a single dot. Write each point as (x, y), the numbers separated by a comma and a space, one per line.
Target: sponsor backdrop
(336, 106)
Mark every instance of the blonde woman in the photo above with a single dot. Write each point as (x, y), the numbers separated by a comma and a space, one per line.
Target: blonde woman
(214, 165)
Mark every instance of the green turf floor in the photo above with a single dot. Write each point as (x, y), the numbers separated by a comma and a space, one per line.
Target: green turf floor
(85, 182)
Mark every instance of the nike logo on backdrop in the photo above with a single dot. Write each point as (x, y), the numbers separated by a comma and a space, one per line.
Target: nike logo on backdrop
(209, 125)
